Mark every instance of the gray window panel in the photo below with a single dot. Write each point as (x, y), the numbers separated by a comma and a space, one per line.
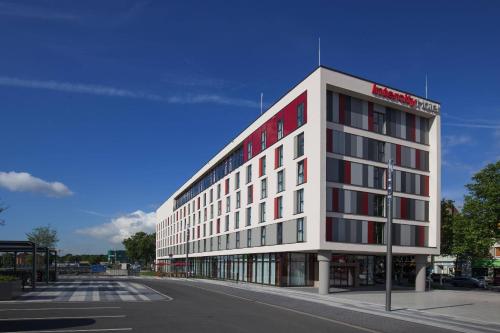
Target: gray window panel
(413, 235)
(329, 198)
(418, 137)
(339, 142)
(366, 149)
(365, 174)
(359, 232)
(370, 176)
(256, 236)
(397, 121)
(341, 231)
(335, 229)
(370, 204)
(271, 234)
(397, 176)
(357, 174)
(404, 117)
(352, 225)
(412, 182)
(304, 226)
(359, 146)
(365, 114)
(426, 205)
(341, 201)
(329, 105)
(289, 232)
(420, 210)
(335, 105)
(417, 184)
(347, 201)
(356, 113)
(364, 232)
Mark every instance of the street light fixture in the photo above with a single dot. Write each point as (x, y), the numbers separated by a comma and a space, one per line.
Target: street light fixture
(388, 227)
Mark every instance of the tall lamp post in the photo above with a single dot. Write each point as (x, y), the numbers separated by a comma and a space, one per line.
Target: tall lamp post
(187, 250)
(388, 258)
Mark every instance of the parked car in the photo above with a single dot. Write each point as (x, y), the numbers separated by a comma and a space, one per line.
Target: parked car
(483, 281)
(466, 282)
(437, 277)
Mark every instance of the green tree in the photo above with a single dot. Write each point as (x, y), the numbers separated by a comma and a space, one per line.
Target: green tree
(477, 227)
(141, 247)
(43, 236)
(448, 216)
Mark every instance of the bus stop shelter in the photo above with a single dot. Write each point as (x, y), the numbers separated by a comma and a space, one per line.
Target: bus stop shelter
(8, 246)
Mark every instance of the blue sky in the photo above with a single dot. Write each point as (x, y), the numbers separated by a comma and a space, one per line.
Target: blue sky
(108, 106)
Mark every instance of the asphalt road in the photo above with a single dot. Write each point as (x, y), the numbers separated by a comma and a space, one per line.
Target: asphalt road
(197, 307)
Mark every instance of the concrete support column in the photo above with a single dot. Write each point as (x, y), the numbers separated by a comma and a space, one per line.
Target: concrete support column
(324, 258)
(420, 264)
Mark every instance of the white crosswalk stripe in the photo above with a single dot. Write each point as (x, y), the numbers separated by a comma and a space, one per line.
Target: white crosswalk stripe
(92, 291)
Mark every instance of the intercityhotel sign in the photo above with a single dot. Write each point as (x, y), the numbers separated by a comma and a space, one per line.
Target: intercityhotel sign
(405, 99)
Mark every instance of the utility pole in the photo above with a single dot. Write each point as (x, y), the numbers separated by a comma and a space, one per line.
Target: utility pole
(187, 250)
(388, 227)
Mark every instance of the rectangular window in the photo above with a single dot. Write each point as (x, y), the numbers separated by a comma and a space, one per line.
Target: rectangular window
(300, 114)
(204, 199)
(279, 233)
(227, 242)
(263, 188)
(262, 236)
(237, 180)
(219, 208)
(249, 238)
(262, 212)
(300, 172)
(262, 166)
(300, 230)
(249, 174)
(249, 216)
(379, 122)
(218, 191)
(228, 204)
(280, 129)
(281, 181)
(226, 223)
(263, 140)
(211, 195)
(227, 187)
(249, 150)
(238, 199)
(211, 228)
(238, 240)
(299, 145)
(278, 207)
(278, 157)
(250, 195)
(299, 201)
(236, 220)
(218, 242)
(211, 211)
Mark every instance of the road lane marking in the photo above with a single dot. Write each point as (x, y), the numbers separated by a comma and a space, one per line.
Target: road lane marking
(156, 291)
(55, 318)
(47, 309)
(82, 330)
(295, 311)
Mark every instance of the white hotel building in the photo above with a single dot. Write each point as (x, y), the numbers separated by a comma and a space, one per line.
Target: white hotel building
(298, 198)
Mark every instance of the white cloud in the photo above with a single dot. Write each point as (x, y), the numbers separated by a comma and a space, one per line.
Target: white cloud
(122, 227)
(455, 140)
(24, 182)
(118, 92)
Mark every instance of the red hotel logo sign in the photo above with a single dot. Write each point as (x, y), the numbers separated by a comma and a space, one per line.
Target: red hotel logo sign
(394, 96)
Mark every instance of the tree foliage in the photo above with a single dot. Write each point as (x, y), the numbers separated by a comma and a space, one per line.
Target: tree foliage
(43, 236)
(141, 247)
(476, 229)
(448, 216)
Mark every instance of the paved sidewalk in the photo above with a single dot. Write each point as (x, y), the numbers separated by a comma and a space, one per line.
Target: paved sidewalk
(462, 311)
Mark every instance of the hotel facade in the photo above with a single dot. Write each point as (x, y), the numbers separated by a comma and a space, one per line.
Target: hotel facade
(299, 197)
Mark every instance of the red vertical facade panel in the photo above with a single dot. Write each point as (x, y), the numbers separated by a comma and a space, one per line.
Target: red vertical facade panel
(403, 206)
(329, 229)
(370, 116)
(227, 186)
(398, 154)
(329, 138)
(198, 231)
(371, 232)
(364, 203)
(347, 172)
(341, 109)
(335, 199)
(305, 170)
(260, 166)
(413, 130)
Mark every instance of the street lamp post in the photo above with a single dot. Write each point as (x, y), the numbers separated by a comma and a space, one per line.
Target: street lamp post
(388, 258)
(187, 250)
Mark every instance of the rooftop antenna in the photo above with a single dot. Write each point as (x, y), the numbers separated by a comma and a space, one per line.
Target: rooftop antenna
(261, 98)
(319, 51)
(425, 86)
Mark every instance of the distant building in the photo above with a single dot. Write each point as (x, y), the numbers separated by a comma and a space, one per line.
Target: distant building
(117, 256)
